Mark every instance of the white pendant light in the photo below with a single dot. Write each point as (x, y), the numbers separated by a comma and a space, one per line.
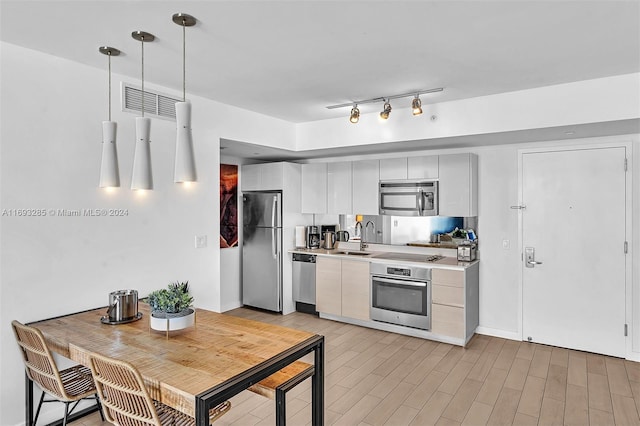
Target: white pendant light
(109, 171)
(185, 164)
(142, 177)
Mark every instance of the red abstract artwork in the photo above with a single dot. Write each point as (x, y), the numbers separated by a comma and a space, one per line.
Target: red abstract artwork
(228, 205)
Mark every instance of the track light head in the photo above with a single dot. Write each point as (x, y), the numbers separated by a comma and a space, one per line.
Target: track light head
(386, 111)
(355, 114)
(416, 105)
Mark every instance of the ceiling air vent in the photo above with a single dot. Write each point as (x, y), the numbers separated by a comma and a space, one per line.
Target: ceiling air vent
(155, 104)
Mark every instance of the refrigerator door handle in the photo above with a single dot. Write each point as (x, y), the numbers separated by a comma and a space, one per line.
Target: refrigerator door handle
(279, 280)
(274, 243)
(274, 210)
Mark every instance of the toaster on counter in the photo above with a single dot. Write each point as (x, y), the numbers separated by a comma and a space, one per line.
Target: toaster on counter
(467, 252)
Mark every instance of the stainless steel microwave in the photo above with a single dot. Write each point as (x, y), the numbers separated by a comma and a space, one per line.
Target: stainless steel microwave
(408, 198)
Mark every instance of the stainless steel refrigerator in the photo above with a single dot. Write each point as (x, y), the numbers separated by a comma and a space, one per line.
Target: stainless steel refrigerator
(262, 250)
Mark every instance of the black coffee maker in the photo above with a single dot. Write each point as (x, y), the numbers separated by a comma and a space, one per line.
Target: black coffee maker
(313, 237)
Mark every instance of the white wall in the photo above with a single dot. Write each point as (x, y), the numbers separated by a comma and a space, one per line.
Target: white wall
(51, 132)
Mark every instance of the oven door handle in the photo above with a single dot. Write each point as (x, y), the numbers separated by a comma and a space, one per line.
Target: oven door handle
(400, 282)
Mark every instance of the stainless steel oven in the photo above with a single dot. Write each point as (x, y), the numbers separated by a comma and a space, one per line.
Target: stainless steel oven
(401, 295)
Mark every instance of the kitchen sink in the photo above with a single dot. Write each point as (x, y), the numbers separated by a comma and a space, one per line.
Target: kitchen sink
(354, 253)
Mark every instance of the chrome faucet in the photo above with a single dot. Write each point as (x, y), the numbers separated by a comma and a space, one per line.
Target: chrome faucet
(366, 228)
(359, 227)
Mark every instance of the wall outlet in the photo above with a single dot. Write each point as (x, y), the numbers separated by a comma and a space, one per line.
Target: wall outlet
(506, 244)
(201, 241)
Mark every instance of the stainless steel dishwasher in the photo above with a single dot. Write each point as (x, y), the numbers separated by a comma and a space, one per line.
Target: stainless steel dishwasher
(304, 282)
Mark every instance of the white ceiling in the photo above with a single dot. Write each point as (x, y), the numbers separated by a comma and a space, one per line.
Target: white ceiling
(291, 59)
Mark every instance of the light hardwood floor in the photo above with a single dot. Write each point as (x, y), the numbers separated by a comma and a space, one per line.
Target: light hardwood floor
(378, 378)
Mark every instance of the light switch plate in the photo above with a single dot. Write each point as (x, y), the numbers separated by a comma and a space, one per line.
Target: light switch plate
(506, 244)
(201, 241)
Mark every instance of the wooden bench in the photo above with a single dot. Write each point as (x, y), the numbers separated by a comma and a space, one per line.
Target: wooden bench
(278, 384)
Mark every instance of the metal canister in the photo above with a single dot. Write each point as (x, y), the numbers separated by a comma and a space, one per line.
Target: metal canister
(123, 305)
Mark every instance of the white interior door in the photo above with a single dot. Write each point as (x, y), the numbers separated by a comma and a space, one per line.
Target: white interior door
(574, 220)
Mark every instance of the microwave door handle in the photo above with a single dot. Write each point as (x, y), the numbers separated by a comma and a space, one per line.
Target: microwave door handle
(420, 201)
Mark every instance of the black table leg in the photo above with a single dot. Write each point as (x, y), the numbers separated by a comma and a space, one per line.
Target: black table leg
(317, 386)
(28, 387)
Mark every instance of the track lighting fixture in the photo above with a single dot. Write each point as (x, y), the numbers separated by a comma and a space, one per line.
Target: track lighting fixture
(386, 111)
(185, 165)
(109, 171)
(416, 105)
(355, 114)
(142, 177)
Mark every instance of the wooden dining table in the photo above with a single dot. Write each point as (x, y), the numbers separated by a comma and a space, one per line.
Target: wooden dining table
(194, 369)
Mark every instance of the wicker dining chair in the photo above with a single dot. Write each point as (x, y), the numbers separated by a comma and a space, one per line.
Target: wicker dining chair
(69, 386)
(126, 399)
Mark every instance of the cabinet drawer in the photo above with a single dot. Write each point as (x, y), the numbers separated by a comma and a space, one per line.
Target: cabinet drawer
(447, 277)
(447, 295)
(447, 320)
(355, 289)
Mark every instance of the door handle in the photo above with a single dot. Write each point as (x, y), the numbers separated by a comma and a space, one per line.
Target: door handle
(530, 257)
(274, 211)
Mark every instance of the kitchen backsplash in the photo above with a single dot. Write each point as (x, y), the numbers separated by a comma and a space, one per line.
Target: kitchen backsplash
(401, 230)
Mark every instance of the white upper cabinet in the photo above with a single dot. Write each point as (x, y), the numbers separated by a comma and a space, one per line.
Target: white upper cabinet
(458, 190)
(250, 177)
(339, 197)
(261, 177)
(314, 188)
(366, 175)
(393, 168)
(424, 167)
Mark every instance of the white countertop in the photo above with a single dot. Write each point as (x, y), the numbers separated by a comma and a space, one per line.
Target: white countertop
(391, 257)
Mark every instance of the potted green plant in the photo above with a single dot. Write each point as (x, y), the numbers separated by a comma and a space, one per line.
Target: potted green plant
(171, 307)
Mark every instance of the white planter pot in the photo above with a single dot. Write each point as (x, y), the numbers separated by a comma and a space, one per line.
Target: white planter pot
(172, 321)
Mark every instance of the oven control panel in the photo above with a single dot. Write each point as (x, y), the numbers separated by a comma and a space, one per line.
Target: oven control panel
(399, 271)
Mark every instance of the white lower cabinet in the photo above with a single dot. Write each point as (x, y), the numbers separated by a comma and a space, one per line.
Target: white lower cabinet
(329, 285)
(355, 289)
(343, 294)
(454, 303)
(342, 287)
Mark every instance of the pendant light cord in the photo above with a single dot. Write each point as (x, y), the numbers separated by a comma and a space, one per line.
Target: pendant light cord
(184, 61)
(109, 55)
(142, 44)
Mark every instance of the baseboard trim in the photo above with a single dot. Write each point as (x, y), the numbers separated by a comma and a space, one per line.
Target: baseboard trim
(230, 306)
(495, 332)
